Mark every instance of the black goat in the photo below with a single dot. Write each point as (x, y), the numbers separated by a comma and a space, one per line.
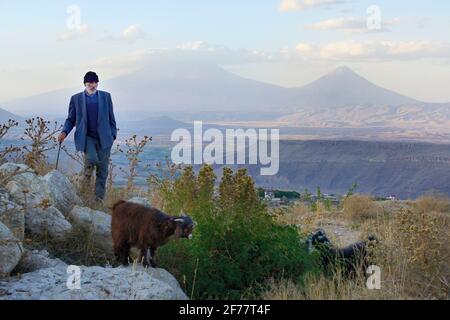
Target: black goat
(349, 258)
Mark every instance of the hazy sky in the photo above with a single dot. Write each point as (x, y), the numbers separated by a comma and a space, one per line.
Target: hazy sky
(286, 42)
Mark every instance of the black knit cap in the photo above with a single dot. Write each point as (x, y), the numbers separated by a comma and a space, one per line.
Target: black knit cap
(91, 77)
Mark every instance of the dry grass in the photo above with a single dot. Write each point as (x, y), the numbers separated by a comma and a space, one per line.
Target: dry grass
(284, 289)
(300, 214)
(415, 252)
(113, 194)
(360, 207)
(334, 287)
(433, 203)
(78, 248)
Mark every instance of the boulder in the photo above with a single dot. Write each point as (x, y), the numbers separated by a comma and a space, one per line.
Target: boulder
(29, 181)
(47, 222)
(140, 200)
(35, 260)
(39, 219)
(12, 215)
(11, 250)
(62, 192)
(95, 222)
(96, 283)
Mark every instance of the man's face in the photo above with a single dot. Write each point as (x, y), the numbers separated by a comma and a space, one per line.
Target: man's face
(91, 86)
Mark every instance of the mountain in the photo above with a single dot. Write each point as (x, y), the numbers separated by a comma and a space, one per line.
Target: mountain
(179, 89)
(343, 87)
(6, 115)
(344, 99)
(341, 99)
(168, 89)
(173, 87)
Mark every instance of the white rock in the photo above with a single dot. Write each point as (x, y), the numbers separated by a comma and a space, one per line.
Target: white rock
(12, 215)
(40, 221)
(29, 181)
(96, 222)
(97, 283)
(11, 250)
(49, 221)
(35, 260)
(10, 168)
(62, 191)
(140, 200)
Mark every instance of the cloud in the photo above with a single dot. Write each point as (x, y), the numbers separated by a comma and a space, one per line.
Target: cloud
(204, 52)
(305, 49)
(133, 33)
(188, 52)
(129, 35)
(376, 50)
(200, 46)
(302, 5)
(352, 25)
(74, 34)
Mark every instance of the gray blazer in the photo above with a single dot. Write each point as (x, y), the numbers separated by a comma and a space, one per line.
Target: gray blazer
(106, 128)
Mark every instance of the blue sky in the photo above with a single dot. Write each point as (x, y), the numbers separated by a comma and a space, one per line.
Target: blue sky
(297, 41)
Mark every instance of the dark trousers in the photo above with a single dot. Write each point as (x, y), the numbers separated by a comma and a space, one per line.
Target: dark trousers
(98, 159)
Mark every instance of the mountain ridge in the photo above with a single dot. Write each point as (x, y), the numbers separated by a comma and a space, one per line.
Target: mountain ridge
(208, 88)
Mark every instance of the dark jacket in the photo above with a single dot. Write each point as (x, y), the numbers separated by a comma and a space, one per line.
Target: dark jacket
(107, 130)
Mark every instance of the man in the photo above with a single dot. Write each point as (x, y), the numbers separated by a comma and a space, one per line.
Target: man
(92, 113)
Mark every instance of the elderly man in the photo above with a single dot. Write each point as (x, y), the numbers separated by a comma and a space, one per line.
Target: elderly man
(91, 111)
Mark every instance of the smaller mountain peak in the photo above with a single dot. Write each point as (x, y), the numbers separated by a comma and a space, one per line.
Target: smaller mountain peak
(345, 74)
(343, 70)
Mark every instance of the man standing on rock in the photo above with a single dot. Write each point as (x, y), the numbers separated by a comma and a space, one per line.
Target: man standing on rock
(91, 111)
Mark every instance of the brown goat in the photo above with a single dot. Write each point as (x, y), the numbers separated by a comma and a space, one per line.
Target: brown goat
(134, 225)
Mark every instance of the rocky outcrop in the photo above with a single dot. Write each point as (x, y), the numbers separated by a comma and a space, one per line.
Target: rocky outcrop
(47, 222)
(62, 192)
(97, 223)
(11, 250)
(96, 283)
(42, 198)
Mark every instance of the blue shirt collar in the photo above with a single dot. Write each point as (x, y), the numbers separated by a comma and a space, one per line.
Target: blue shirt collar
(86, 93)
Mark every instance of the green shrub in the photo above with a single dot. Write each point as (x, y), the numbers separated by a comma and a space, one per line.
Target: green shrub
(236, 247)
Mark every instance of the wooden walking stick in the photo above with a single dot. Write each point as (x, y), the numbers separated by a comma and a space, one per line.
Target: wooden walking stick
(57, 158)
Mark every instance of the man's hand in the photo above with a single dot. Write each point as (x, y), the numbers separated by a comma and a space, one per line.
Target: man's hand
(61, 137)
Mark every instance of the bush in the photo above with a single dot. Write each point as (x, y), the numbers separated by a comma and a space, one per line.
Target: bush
(360, 207)
(236, 247)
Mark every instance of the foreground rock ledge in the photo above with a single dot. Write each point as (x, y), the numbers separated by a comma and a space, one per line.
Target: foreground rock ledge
(97, 283)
